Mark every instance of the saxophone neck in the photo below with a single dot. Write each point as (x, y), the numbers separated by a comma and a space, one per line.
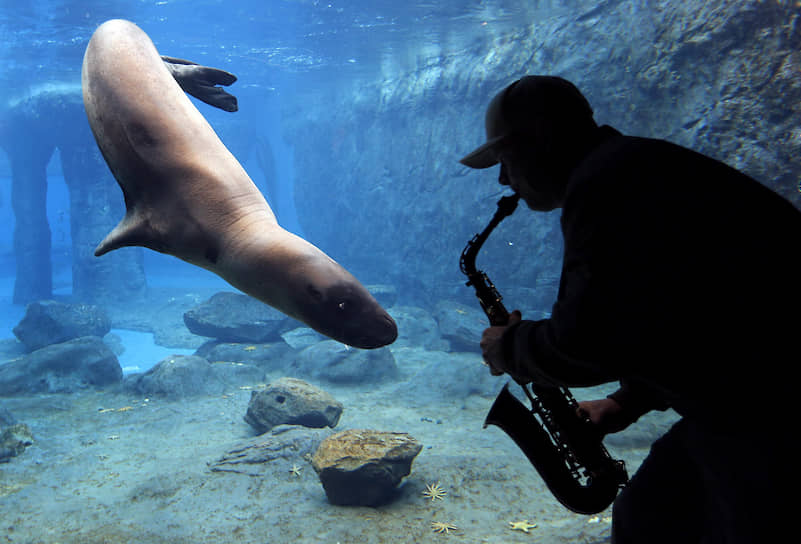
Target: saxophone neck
(506, 206)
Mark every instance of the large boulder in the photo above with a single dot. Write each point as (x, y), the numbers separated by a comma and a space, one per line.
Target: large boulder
(176, 377)
(364, 467)
(271, 356)
(302, 337)
(293, 402)
(233, 317)
(461, 325)
(233, 374)
(445, 377)
(78, 364)
(337, 363)
(49, 322)
(417, 327)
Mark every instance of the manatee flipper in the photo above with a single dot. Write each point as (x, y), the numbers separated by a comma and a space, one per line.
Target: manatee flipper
(201, 82)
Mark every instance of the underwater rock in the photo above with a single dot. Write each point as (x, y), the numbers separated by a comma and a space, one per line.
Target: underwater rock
(114, 342)
(160, 310)
(235, 374)
(281, 442)
(161, 487)
(337, 363)
(448, 376)
(14, 440)
(294, 402)
(11, 348)
(176, 335)
(233, 317)
(364, 467)
(461, 325)
(167, 321)
(176, 377)
(271, 356)
(49, 322)
(417, 327)
(386, 295)
(302, 337)
(62, 368)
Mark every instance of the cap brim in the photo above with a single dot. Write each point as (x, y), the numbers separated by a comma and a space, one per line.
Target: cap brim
(483, 156)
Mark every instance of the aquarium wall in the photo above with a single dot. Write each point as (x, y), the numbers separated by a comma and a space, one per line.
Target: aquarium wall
(377, 175)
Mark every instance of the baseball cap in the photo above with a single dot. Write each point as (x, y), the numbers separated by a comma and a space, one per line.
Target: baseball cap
(520, 104)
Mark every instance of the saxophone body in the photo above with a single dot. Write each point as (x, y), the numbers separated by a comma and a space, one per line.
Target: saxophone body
(564, 447)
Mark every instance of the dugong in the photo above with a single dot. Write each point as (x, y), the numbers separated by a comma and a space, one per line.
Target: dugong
(187, 196)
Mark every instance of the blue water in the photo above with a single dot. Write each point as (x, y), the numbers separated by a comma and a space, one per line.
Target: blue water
(273, 47)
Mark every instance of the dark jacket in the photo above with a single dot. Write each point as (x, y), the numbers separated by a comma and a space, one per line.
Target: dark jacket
(681, 278)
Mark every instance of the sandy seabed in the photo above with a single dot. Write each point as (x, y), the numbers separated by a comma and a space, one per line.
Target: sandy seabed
(110, 467)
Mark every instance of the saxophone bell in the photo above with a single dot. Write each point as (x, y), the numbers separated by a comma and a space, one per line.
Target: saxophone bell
(587, 491)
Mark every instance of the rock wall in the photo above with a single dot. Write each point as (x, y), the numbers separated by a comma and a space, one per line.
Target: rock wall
(378, 185)
(96, 206)
(30, 131)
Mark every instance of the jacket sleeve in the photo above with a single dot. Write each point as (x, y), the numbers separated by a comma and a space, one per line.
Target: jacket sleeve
(637, 399)
(532, 355)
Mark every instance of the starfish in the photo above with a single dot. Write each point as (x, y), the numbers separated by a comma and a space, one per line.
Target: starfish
(295, 470)
(434, 492)
(443, 527)
(521, 525)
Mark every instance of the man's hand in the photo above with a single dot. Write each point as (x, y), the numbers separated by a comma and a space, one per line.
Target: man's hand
(200, 82)
(491, 347)
(607, 414)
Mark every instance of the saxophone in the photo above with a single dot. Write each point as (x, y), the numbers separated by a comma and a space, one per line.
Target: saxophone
(565, 447)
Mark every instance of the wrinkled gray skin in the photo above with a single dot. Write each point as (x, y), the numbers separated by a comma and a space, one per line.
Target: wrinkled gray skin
(187, 196)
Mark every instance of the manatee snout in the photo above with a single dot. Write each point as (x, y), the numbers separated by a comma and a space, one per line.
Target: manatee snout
(348, 313)
(379, 331)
